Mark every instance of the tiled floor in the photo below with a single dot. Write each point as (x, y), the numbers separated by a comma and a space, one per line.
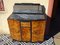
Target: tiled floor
(7, 40)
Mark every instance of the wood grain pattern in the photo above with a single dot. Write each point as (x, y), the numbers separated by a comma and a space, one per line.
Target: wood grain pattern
(38, 29)
(21, 31)
(15, 29)
(25, 24)
(26, 34)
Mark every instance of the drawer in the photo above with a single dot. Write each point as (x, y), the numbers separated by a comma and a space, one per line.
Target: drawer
(26, 34)
(25, 24)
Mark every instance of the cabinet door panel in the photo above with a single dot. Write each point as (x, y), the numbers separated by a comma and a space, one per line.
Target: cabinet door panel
(26, 34)
(38, 31)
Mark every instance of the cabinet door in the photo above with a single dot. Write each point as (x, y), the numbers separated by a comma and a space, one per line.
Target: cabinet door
(26, 34)
(38, 29)
(14, 27)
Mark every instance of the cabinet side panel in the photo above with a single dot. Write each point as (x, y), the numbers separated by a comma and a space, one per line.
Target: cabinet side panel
(14, 27)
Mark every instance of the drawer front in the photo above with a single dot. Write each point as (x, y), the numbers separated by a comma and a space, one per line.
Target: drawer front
(26, 34)
(38, 31)
(14, 27)
(25, 24)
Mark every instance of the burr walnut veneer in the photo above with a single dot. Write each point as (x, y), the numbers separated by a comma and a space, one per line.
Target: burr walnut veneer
(27, 26)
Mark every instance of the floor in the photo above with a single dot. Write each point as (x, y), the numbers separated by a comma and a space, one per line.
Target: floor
(5, 39)
(57, 39)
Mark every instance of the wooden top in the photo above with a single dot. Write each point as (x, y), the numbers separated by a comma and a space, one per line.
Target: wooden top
(27, 17)
(27, 4)
(28, 11)
(28, 8)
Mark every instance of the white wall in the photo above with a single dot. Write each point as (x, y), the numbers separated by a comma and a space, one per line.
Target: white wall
(8, 4)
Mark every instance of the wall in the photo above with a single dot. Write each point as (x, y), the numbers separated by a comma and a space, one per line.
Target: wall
(9, 8)
(50, 7)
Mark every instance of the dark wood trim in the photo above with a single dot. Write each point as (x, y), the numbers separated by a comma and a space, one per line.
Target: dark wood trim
(27, 4)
